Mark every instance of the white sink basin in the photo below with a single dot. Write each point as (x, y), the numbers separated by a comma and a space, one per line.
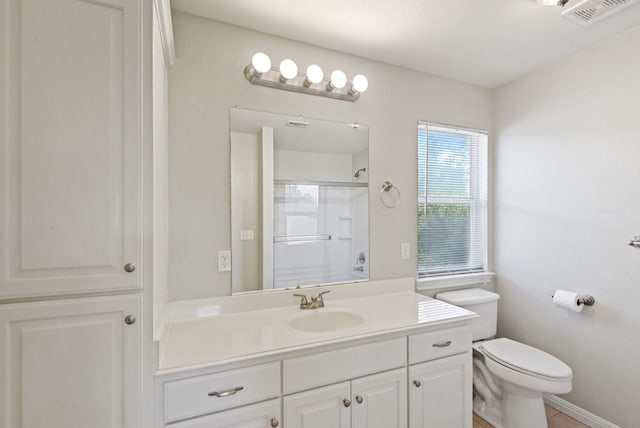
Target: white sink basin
(319, 320)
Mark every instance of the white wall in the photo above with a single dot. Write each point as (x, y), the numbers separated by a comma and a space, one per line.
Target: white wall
(566, 200)
(160, 184)
(208, 79)
(311, 166)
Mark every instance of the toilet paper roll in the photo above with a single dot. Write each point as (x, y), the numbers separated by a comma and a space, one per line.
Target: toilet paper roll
(568, 300)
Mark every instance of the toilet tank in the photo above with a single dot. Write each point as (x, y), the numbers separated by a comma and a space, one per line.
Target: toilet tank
(480, 301)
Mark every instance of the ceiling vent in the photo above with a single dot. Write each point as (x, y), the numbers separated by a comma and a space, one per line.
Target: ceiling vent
(587, 12)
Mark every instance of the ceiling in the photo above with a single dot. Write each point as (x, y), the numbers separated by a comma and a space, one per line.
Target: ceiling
(482, 42)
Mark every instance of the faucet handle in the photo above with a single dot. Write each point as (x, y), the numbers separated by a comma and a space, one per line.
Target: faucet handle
(319, 299)
(304, 300)
(323, 293)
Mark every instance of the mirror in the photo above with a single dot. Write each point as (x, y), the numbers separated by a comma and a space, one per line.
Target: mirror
(299, 201)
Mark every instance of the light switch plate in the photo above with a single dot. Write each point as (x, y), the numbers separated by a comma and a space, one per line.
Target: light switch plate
(247, 235)
(405, 251)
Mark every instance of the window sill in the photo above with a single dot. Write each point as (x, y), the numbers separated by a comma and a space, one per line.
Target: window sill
(454, 281)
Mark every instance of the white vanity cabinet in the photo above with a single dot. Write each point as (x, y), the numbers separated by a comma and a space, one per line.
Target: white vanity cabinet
(412, 376)
(71, 141)
(441, 386)
(376, 401)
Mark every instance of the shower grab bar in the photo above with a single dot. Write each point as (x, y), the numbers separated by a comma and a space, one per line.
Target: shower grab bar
(298, 238)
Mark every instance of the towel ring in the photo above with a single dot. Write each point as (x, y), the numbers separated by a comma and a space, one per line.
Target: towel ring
(389, 195)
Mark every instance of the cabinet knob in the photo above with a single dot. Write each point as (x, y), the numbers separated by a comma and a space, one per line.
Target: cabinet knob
(346, 402)
(274, 422)
(359, 399)
(129, 319)
(417, 383)
(129, 267)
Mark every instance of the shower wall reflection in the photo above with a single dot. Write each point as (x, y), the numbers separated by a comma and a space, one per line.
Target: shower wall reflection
(320, 233)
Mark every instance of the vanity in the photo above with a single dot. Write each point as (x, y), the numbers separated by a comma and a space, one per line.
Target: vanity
(376, 355)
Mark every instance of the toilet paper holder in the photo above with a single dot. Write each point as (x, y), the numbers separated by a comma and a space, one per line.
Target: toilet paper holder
(584, 299)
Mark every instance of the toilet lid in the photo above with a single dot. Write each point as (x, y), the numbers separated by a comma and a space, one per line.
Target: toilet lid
(525, 359)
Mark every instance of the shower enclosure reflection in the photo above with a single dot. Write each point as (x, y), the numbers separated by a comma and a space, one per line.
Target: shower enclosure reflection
(299, 201)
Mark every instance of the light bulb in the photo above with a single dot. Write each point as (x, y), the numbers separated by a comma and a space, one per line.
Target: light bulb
(261, 62)
(314, 74)
(360, 83)
(288, 69)
(338, 79)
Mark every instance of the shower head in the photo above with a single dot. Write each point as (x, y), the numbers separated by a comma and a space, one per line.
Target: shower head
(358, 172)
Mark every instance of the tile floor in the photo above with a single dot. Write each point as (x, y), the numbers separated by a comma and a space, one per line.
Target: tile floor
(555, 419)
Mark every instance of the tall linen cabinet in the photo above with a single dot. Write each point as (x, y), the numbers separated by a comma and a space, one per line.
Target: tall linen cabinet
(76, 215)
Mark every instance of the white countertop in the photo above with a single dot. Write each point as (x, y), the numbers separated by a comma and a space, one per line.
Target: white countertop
(193, 343)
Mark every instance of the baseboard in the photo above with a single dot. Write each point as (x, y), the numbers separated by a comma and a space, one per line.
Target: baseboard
(578, 413)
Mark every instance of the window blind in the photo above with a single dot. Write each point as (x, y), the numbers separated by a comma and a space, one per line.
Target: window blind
(452, 200)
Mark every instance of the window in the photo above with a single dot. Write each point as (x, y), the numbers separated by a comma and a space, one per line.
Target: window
(452, 200)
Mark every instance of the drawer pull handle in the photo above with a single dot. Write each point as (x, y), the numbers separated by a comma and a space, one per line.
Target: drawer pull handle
(417, 383)
(346, 402)
(441, 344)
(226, 393)
(359, 399)
(274, 422)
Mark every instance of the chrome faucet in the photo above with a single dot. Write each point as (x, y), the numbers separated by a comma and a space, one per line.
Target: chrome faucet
(314, 303)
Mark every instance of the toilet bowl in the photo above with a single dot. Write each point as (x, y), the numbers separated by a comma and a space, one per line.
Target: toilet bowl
(509, 377)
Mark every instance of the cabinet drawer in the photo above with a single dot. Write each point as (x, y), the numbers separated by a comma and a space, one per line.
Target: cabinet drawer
(348, 363)
(265, 414)
(211, 393)
(440, 343)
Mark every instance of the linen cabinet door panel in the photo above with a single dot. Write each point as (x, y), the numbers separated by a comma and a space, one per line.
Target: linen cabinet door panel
(263, 415)
(380, 401)
(70, 144)
(319, 408)
(71, 364)
(440, 393)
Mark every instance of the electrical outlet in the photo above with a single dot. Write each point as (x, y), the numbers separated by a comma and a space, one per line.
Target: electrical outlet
(405, 251)
(224, 261)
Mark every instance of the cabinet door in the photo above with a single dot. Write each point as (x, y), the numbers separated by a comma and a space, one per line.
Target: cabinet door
(440, 393)
(263, 415)
(70, 145)
(70, 364)
(319, 408)
(380, 401)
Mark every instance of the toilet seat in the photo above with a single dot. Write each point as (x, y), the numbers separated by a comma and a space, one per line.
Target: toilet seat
(525, 366)
(526, 359)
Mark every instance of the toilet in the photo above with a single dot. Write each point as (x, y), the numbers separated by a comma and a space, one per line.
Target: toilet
(509, 377)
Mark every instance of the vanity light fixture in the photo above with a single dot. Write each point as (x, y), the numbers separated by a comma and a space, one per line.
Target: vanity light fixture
(314, 75)
(360, 84)
(561, 3)
(338, 80)
(288, 70)
(260, 64)
(313, 82)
